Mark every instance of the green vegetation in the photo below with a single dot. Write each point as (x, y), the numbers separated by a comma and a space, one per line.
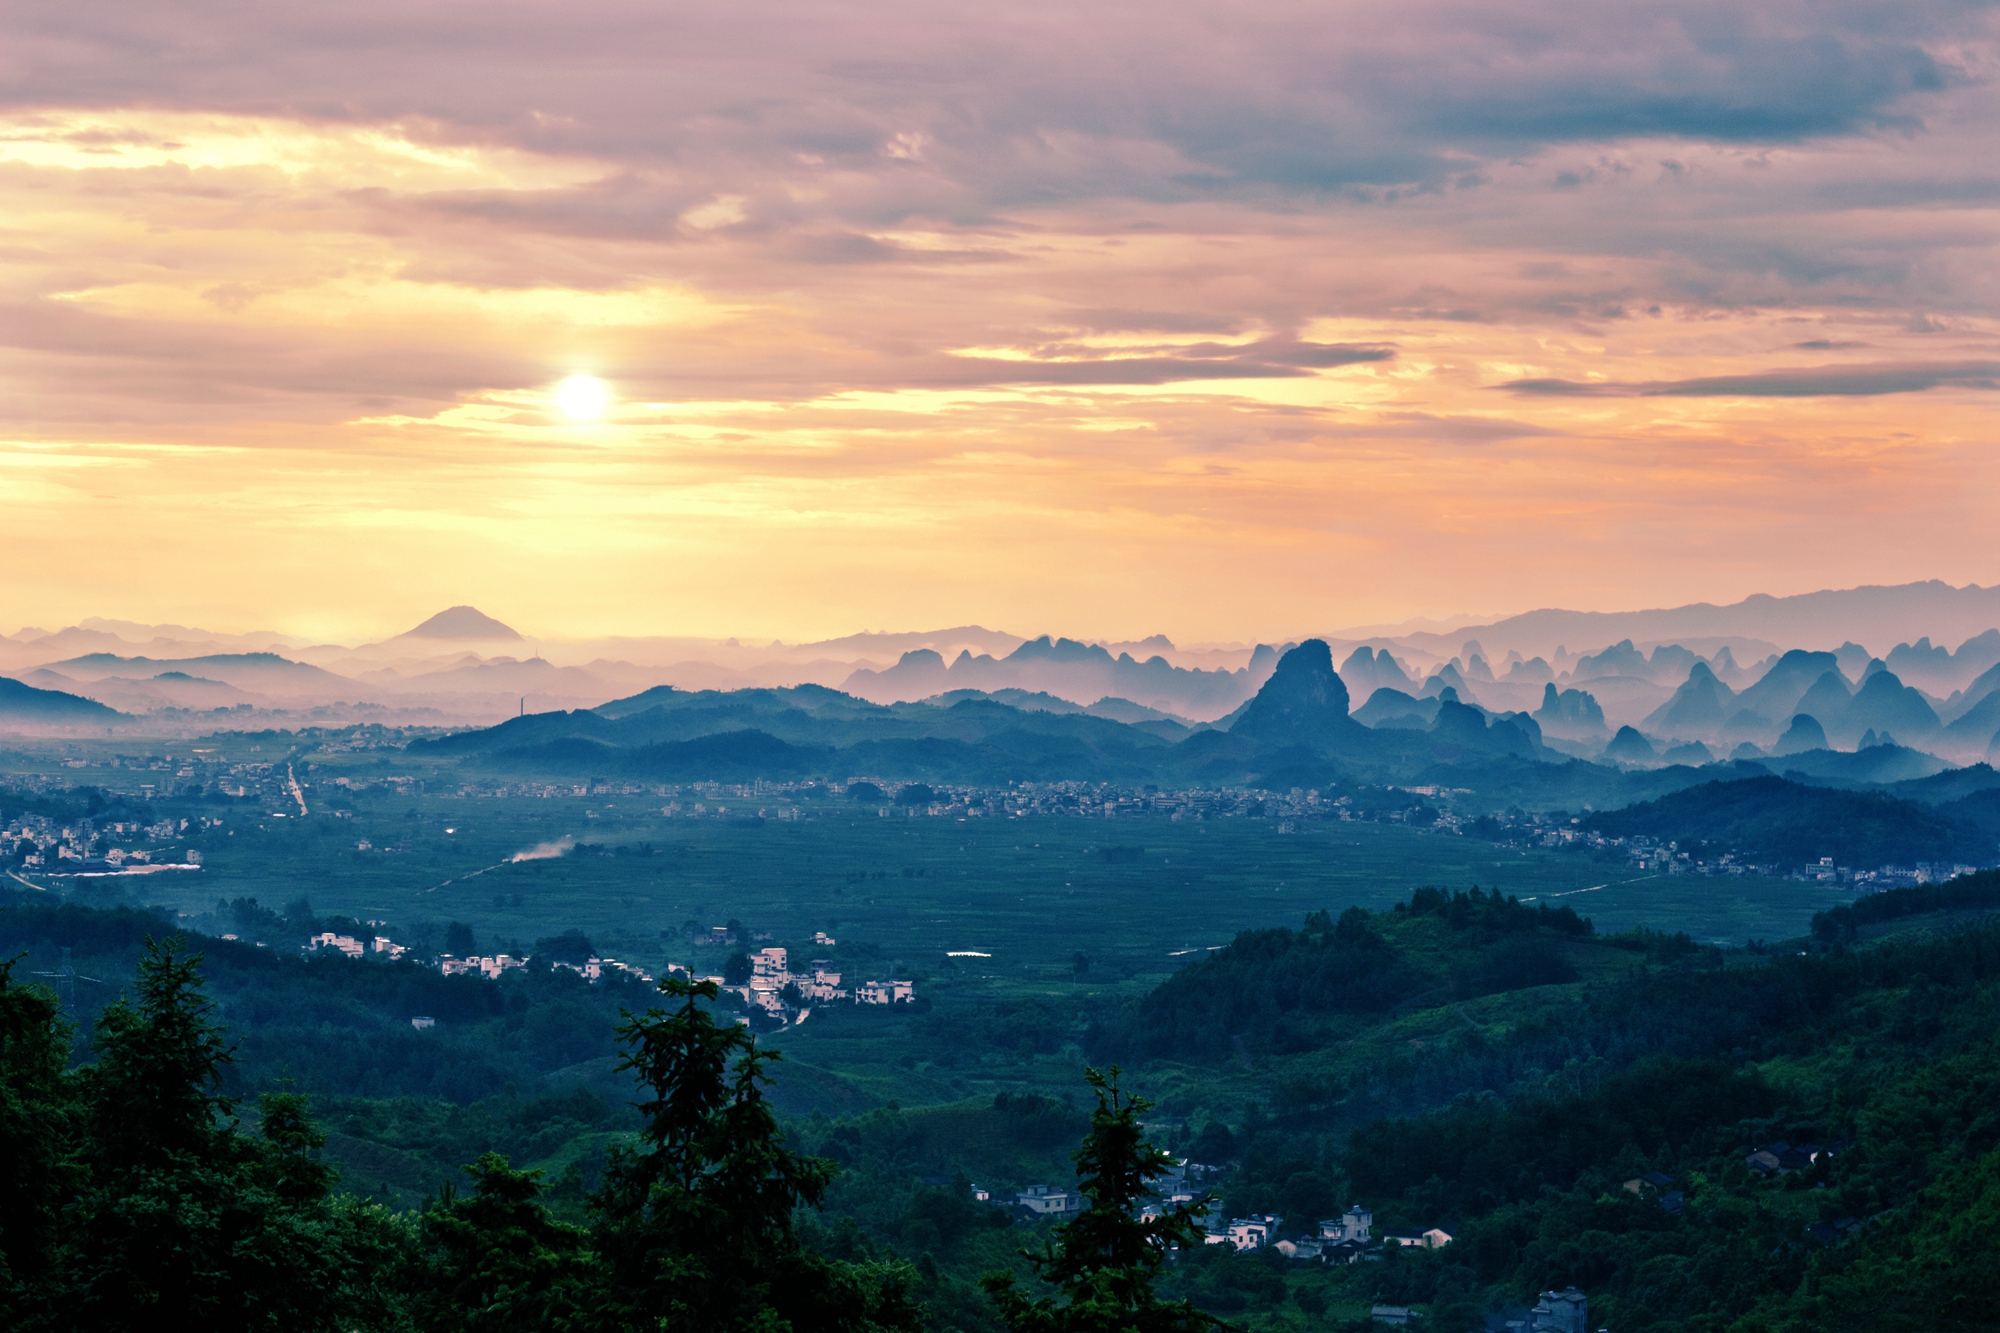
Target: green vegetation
(1977, 893)
(140, 1196)
(1304, 1014)
(1521, 1111)
(1770, 819)
(1105, 1265)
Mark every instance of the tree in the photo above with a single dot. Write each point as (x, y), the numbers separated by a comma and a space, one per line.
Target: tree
(572, 946)
(499, 1262)
(37, 1123)
(696, 1226)
(1104, 1264)
(184, 1218)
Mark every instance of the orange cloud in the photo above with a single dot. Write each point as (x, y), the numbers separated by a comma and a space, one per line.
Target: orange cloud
(1093, 372)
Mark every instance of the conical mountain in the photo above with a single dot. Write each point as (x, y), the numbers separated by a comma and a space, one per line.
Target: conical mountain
(1629, 747)
(1886, 704)
(1699, 707)
(1304, 702)
(461, 622)
(1776, 694)
(1804, 734)
(1828, 701)
(1446, 677)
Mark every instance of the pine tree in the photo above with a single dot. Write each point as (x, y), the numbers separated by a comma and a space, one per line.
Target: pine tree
(184, 1218)
(38, 1166)
(1104, 1263)
(500, 1262)
(696, 1227)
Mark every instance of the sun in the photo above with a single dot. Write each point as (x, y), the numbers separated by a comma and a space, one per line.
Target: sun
(582, 397)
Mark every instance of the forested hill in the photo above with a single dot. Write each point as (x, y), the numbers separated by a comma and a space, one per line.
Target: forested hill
(1771, 819)
(1593, 1123)
(1600, 1133)
(1286, 990)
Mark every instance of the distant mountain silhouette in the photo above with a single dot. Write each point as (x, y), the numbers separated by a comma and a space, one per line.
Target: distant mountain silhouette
(461, 622)
(1534, 671)
(1975, 725)
(1692, 753)
(1828, 700)
(1620, 659)
(1304, 702)
(1804, 734)
(25, 703)
(265, 672)
(1876, 615)
(1775, 696)
(1069, 669)
(1885, 703)
(1574, 714)
(1462, 732)
(1935, 668)
(1367, 671)
(1629, 747)
(1447, 677)
(1700, 707)
(1388, 707)
(1985, 684)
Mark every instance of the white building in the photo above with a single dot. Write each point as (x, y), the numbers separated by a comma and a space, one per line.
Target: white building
(346, 944)
(1050, 1201)
(1247, 1233)
(1351, 1226)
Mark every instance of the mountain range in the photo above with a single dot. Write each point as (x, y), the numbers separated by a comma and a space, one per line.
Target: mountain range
(1719, 685)
(1298, 728)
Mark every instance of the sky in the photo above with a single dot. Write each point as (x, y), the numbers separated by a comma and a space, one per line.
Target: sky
(1225, 321)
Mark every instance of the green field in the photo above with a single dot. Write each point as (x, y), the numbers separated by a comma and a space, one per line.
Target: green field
(1031, 893)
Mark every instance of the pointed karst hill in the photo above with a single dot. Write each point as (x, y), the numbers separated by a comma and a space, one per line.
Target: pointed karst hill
(1886, 704)
(1366, 671)
(1804, 734)
(462, 623)
(1304, 702)
(1575, 714)
(1699, 707)
(1827, 701)
(1461, 731)
(1629, 747)
(1776, 694)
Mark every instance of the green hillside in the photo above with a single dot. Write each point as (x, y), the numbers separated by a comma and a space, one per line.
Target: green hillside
(1769, 819)
(1460, 1061)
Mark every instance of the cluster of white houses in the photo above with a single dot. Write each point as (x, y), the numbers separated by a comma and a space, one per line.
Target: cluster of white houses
(354, 948)
(773, 987)
(490, 966)
(1345, 1239)
(771, 976)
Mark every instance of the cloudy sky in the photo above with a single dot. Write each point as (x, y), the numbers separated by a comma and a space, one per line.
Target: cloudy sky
(1228, 321)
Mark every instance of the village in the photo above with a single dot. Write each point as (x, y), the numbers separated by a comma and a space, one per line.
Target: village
(1347, 1239)
(772, 988)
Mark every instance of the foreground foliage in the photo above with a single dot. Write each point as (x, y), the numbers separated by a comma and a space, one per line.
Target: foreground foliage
(1105, 1264)
(136, 1195)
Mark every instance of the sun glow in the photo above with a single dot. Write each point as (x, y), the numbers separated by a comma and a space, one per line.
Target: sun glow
(582, 397)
